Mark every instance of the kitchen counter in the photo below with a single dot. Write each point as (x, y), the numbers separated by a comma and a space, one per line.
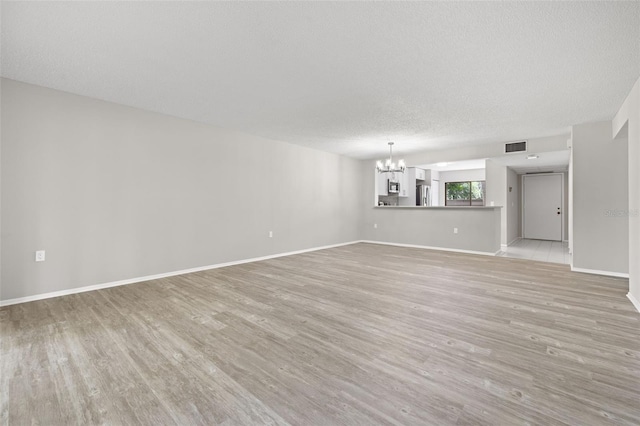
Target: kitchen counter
(471, 229)
(439, 207)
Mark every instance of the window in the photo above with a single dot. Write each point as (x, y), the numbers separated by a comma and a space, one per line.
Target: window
(464, 193)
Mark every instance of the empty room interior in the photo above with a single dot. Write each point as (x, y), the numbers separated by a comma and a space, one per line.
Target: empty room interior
(319, 213)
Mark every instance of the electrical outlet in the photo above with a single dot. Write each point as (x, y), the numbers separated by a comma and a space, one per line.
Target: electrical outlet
(375, 226)
(455, 230)
(40, 256)
(270, 234)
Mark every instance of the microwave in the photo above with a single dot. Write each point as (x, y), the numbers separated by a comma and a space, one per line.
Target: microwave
(394, 186)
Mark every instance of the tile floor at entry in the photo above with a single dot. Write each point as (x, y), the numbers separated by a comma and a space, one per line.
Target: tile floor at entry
(541, 250)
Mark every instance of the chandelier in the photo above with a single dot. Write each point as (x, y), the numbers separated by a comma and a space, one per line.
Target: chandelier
(389, 166)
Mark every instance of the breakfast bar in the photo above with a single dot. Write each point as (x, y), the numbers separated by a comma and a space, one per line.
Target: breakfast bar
(464, 229)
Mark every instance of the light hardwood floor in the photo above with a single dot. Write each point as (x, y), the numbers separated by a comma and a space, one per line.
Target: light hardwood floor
(361, 334)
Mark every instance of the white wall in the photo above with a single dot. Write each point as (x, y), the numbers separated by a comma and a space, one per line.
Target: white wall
(457, 176)
(570, 201)
(497, 193)
(503, 189)
(114, 193)
(565, 206)
(1, 87)
(600, 189)
(626, 126)
(520, 203)
(512, 207)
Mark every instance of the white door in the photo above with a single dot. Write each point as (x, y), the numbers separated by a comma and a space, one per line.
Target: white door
(542, 207)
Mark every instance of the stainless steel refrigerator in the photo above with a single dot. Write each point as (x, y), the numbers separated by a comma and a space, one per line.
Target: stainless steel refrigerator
(423, 195)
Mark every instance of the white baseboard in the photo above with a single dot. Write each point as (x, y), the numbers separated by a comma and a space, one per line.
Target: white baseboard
(484, 253)
(504, 246)
(158, 276)
(514, 240)
(635, 302)
(597, 272)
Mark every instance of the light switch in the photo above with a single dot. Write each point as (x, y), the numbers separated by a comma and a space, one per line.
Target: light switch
(40, 256)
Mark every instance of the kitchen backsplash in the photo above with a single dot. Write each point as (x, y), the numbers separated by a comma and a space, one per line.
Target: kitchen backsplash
(388, 200)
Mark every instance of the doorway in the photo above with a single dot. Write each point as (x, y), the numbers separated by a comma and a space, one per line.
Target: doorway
(542, 209)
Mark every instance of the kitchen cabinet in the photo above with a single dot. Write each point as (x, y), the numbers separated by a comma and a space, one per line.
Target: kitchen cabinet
(383, 188)
(403, 178)
(420, 175)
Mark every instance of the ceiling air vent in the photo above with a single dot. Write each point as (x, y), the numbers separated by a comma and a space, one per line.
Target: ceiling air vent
(520, 146)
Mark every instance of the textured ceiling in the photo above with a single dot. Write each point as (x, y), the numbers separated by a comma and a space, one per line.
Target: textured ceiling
(455, 165)
(554, 161)
(339, 76)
